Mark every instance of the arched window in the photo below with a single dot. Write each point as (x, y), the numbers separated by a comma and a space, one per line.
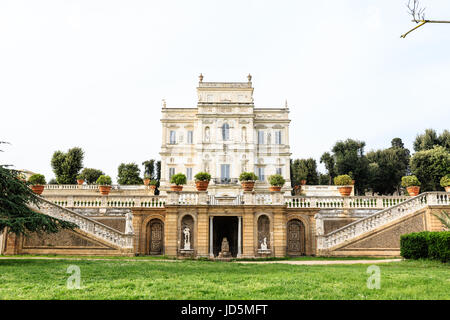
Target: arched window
(225, 131)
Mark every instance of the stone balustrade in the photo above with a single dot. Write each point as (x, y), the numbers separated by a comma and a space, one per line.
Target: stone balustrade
(363, 202)
(86, 224)
(110, 201)
(381, 218)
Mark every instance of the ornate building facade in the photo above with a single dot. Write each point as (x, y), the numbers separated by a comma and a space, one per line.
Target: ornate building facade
(224, 136)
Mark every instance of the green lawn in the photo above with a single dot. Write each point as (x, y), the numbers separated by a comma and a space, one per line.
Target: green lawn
(118, 279)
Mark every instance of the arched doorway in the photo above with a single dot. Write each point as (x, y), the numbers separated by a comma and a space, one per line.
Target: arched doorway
(295, 238)
(155, 237)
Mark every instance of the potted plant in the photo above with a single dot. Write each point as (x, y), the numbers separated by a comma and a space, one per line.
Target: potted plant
(445, 182)
(412, 185)
(147, 179)
(276, 182)
(351, 176)
(202, 181)
(247, 180)
(153, 184)
(80, 179)
(104, 184)
(178, 180)
(344, 181)
(37, 182)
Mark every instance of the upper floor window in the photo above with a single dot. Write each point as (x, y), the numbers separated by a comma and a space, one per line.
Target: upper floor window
(260, 174)
(173, 138)
(189, 174)
(260, 137)
(171, 172)
(190, 137)
(278, 171)
(278, 137)
(225, 131)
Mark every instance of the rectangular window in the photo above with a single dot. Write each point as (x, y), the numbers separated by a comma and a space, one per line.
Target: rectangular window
(190, 137)
(173, 137)
(171, 172)
(225, 172)
(260, 137)
(278, 137)
(189, 174)
(278, 171)
(260, 174)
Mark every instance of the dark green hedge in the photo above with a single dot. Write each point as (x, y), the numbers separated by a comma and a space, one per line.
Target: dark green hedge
(426, 245)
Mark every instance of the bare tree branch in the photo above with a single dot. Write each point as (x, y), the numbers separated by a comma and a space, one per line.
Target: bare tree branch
(418, 15)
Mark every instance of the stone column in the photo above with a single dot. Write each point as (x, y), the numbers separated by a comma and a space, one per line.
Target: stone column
(211, 235)
(248, 233)
(170, 232)
(279, 233)
(202, 233)
(239, 253)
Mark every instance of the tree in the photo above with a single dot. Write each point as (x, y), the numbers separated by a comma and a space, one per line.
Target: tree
(418, 15)
(426, 141)
(15, 214)
(430, 166)
(328, 160)
(349, 157)
(324, 179)
(128, 174)
(304, 169)
(91, 175)
(387, 167)
(66, 166)
(158, 170)
(149, 168)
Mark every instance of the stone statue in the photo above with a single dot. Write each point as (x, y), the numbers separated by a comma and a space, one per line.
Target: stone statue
(264, 244)
(207, 134)
(129, 223)
(187, 238)
(225, 249)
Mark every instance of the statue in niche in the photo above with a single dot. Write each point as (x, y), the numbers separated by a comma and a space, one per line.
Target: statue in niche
(244, 134)
(207, 134)
(129, 223)
(264, 244)
(187, 238)
(268, 138)
(225, 249)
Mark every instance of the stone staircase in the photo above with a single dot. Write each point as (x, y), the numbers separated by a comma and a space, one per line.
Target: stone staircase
(352, 231)
(93, 229)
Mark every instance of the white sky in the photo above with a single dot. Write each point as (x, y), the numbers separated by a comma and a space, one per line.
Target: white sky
(92, 73)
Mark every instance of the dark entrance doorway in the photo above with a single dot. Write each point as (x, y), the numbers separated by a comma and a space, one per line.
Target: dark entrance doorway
(225, 227)
(155, 236)
(295, 238)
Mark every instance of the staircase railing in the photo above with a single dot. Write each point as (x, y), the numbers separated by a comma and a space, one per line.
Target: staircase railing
(86, 224)
(381, 218)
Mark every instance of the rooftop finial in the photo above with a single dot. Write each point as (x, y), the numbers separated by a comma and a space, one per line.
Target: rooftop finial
(249, 77)
(164, 103)
(200, 77)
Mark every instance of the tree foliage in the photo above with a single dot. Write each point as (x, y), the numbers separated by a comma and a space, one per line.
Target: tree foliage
(15, 213)
(429, 139)
(91, 175)
(328, 160)
(149, 168)
(66, 166)
(430, 166)
(304, 169)
(128, 174)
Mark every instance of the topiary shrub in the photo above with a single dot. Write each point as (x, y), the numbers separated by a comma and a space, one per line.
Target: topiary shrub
(414, 245)
(153, 182)
(410, 181)
(343, 180)
(439, 246)
(445, 181)
(202, 176)
(37, 179)
(104, 180)
(276, 180)
(178, 179)
(248, 176)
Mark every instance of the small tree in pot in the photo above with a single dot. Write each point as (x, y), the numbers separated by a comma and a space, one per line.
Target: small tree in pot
(247, 180)
(276, 182)
(80, 179)
(37, 182)
(344, 181)
(412, 185)
(104, 184)
(445, 182)
(147, 179)
(202, 181)
(178, 180)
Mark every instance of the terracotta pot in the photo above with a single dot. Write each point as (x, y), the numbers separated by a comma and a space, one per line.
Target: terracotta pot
(248, 185)
(447, 189)
(146, 181)
(176, 188)
(201, 185)
(274, 188)
(152, 187)
(302, 182)
(38, 188)
(104, 190)
(80, 181)
(345, 191)
(413, 190)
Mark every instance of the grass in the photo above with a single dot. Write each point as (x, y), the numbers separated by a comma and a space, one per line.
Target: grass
(118, 279)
